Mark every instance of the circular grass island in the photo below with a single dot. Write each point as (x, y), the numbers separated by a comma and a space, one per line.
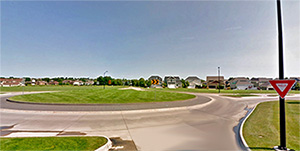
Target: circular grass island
(103, 96)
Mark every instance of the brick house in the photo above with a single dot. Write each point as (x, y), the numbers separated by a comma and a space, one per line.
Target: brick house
(213, 81)
(12, 82)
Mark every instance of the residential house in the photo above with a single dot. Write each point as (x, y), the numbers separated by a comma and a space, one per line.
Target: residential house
(33, 82)
(266, 86)
(78, 82)
(12, 82)
(258, 82)
(41, 83)
(52, 82)
(173, 81)
(193, 82)
(89, 82)
(241, 83)
(66, 82)
(159, 85)
(213, 81)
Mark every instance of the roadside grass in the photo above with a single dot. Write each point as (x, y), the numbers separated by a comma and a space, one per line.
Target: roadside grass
(52, 143)
(240, 95)
(102, 96)
(53, 88)
(261, 130)
(70, 88)
(224, 91)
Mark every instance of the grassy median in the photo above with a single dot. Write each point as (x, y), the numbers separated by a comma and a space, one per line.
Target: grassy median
(100, 96)
(52, 143)
(261, 130)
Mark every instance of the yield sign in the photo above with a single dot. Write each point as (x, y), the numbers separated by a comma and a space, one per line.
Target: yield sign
(282, 87)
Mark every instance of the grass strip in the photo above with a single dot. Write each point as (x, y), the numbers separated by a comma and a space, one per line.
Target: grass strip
(53, 88)
(71, 88)
(52, 143)
(225, 91)
(261, 130)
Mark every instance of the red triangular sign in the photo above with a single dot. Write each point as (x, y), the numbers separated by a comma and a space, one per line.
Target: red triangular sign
(282, 87)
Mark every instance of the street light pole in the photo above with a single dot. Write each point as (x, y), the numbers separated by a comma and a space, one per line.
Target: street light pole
(103, 78)
(219, 78)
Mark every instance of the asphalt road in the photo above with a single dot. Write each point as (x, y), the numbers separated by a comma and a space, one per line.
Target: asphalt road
(210, 126)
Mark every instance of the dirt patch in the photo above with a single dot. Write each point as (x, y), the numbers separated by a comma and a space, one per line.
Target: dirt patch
(132, 88)
(71, 134)
(122, 145)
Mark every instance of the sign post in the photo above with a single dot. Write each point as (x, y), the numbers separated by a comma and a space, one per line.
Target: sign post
(281, 77)
(155, 82)
(282, 87)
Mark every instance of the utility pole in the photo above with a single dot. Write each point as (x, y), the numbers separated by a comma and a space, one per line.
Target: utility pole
(219, 78)
(103, 78)
(281, 77)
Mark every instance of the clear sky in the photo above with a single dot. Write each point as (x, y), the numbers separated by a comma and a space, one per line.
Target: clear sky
(137, 39)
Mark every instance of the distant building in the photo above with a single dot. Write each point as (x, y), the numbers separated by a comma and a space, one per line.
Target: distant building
(266, 86)
(65, 82)
(159, 85)
(41, 83)
(12, 82)
(260, 82)
(213, 81)
(173, 82)
(52, 82)
(77, 82)
(33, 82)
(89, 82)
(241, 83)
(193, 82)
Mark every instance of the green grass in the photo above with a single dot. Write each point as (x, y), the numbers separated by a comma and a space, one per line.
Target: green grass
(261, 130)
(52, 143)
(94, 96)
(53, 88)
(225, 91)
(240, 95)
(69, 88)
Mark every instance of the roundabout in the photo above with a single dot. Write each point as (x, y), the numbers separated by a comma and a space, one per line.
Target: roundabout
(8, 103)
(209, 124)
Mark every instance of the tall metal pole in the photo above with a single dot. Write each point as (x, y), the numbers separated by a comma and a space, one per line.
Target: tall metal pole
(219, 78)
(103, 78)
(281, 77)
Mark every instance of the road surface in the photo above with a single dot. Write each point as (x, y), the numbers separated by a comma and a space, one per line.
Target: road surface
(207, 126)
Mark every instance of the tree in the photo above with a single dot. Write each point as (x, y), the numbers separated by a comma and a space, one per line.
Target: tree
(142, 82)
(148, 83)
(27, 79)
(184, 83)
(165, 85)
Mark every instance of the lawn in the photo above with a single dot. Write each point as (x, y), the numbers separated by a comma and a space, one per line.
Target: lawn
(52, 143)
(100, 96)
(69, 88)
(52, 88)
(225, 91)
(261, 130)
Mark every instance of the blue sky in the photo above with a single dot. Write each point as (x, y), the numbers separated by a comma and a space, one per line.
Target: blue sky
(137, 39)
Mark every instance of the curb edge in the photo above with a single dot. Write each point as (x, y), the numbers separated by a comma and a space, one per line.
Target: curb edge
(241, 129)
(105, 147)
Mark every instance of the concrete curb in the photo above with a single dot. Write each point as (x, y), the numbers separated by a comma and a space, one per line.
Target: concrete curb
(241, 130)
(105, 147)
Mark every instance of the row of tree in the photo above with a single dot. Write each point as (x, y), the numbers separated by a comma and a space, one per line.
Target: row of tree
(107, 80)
